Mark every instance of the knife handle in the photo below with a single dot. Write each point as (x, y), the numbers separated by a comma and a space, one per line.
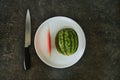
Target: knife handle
(27, 59)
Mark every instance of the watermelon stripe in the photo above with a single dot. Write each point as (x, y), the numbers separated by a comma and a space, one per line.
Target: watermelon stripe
(73, 42)
(65, 37)
(62, 48)
(68, 42)
(61, 42)
(76, 41)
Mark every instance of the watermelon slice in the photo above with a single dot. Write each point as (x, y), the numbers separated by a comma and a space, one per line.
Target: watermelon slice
(49, 41)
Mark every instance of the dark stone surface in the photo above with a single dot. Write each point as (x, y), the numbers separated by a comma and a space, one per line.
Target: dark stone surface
(100, 20)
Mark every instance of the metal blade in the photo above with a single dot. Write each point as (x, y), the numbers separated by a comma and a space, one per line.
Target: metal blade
(28, 29)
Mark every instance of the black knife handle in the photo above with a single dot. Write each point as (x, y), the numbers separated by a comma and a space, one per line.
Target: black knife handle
(27, 59)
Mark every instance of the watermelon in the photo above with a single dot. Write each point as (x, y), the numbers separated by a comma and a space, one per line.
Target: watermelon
(66, 41)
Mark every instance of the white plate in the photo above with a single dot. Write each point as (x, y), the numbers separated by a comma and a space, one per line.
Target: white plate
(56, 59)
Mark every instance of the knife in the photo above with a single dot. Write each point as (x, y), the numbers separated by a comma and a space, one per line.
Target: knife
(27, 40)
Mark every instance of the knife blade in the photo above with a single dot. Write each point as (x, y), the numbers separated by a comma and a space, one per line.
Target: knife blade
(27, 40)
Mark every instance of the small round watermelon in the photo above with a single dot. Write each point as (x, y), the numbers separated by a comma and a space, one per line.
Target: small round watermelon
(66, 41)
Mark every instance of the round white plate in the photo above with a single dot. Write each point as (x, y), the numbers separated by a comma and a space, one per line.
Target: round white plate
(56, 59)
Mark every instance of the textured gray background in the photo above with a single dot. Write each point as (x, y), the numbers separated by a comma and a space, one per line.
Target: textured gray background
(100, 20)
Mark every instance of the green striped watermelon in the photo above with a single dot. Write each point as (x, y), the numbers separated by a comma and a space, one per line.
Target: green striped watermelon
(66, 41)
